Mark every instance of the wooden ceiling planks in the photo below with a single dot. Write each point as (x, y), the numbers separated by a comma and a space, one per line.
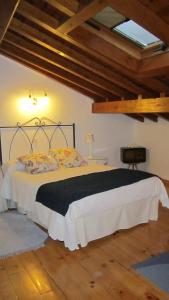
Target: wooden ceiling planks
(155, 66)
(157, 85)
(68, 7)
(34, 9)
(105, 49)
(61, 62)
(51, 36)
(40, 18)
(123, 45)
(105, 34)
(32, 13)
(111, 76)
(113, 38)
(57, 46)
(7, 10)
(155, 5)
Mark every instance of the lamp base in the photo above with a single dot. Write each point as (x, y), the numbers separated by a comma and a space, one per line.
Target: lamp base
(90, 157)
(90, 152)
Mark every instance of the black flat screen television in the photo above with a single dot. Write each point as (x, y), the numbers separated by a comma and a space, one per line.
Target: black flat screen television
(133, 155)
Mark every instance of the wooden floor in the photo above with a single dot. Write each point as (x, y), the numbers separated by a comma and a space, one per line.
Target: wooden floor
(101, 271)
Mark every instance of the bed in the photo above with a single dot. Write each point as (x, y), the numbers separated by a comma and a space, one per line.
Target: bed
(91, 217)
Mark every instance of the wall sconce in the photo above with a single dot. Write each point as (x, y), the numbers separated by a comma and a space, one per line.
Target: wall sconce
(33, 103)
(39, 100)
(33, 99)
(89, 139)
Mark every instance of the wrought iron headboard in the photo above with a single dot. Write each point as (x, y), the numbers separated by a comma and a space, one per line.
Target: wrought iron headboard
(38, 124)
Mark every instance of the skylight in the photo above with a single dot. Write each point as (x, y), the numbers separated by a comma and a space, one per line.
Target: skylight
(114, 21)
(136, 33)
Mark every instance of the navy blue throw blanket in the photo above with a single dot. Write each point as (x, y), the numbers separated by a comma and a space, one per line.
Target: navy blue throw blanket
(60, 194)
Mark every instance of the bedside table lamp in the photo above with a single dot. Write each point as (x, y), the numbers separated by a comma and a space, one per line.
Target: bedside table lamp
(89, 139)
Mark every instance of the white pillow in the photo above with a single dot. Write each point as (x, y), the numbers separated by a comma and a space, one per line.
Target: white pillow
(67, 157)
(38, 163)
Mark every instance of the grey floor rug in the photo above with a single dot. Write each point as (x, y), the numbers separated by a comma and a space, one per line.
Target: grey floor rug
(19, 234)
(156, 269)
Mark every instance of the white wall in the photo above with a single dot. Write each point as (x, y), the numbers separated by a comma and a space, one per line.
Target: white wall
(110, 131)
(155, 137)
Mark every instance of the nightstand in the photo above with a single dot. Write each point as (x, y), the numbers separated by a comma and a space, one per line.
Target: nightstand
(97, 160)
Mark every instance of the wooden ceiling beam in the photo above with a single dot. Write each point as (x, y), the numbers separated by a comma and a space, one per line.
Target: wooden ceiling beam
(154, 66)
(67, 7)
(151, 117)
(83, 15)
(37, 16)
(155, 5)
(155, 85)
(105, 72)
(7, 10)
(151, 50)
(138, 117)
(91, 95)
(164, 116)
(63, 63)
(85, 58)
(55, 70)
(54, 44)
(157, 105)
(105, 48)
(32, 13)
(61, 48)
(85, 39)
(112, 37)
(136, 11)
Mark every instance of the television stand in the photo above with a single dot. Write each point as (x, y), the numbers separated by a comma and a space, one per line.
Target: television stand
(132, 166)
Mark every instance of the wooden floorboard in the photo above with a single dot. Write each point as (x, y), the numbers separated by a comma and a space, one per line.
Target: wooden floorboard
(101, 271)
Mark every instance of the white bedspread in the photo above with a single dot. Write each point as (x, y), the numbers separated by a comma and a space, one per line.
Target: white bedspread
(91, 217)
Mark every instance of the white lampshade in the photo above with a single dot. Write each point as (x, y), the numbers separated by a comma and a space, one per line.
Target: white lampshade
(89, 138)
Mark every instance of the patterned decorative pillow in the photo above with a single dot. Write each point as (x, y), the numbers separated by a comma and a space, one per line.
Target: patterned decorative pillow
(67, 157)
(38, 163)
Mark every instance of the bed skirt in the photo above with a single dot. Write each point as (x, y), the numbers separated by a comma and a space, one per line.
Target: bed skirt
(6, 204)
(75, 232)
(3, 204)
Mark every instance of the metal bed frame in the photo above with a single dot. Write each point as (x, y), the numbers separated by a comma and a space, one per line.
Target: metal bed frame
(38, 124)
